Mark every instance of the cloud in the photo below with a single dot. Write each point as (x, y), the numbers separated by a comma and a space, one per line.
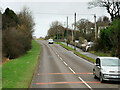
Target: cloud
(46, 0)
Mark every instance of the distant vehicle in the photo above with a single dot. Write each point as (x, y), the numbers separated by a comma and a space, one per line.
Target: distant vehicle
(83, 47)
(50, 41)
(86, 47)
(107, 69)
(90, 44)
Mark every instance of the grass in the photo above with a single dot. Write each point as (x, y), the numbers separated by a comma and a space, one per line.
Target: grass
(0, 76)
(85, 57)
(17, 73)
(67, 47)
(57, 42)
(40, 39)
(64, 46)
(75, 52)
(101, 54)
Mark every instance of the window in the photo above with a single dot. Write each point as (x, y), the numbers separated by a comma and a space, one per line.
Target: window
(98, 61)
(110, 62)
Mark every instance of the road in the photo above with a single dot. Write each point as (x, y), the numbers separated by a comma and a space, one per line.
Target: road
(59, 68)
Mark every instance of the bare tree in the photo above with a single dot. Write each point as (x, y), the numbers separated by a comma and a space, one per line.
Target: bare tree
(55, 24)
(112, 7)
(103, 21)
(26, 22)
(85, 28)
(56, 30)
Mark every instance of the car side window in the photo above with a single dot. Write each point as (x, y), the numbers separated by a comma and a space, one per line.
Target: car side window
(98, 61)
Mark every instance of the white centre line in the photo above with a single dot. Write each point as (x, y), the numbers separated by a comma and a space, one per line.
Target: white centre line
(58, 56)
(85, 83)
(65, 63)
(74, 72)
(61, 59)
(71, 70)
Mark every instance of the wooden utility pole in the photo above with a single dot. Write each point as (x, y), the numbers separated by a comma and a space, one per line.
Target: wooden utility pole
(75, 31)
(72, 33)
(75, 25)
(57, 34)
(95, 26)
(63, 35)
(67, 27)
(67, 31)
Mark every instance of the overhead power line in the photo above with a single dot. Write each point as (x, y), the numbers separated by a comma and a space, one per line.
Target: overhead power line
(61, 13)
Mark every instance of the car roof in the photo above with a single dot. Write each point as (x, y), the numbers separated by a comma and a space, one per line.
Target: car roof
(107, 57)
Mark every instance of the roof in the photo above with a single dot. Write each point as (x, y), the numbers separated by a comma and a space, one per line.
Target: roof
(108, 57)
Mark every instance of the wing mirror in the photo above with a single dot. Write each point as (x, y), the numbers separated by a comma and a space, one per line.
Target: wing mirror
(97, 64)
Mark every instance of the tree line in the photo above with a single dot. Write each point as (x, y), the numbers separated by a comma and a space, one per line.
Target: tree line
(17, 32)
(109, 40)
(84, 30)
(109, 36)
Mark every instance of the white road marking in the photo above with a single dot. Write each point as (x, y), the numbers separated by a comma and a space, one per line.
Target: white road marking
(71, 70)
(58, 56)
(61, 59)
(65, 63)
(85, 83)
(84, 60)
(74, 71)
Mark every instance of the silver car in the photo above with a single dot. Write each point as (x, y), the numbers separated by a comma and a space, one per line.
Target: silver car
(107, 68)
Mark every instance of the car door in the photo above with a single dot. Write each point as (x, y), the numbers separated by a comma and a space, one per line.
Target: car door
(97, 67)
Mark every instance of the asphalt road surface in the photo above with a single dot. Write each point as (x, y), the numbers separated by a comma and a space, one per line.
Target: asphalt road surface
(59, 68)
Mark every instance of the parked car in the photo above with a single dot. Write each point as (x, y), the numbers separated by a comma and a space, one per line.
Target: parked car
(50, 41)
(90, 44)
(83, 47)
(86, 47)
(107, 69)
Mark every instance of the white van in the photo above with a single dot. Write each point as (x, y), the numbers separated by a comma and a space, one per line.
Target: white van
(50, 41)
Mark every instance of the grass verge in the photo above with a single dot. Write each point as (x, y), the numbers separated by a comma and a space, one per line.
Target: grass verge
(101, 54)
(57, 42)
(18, 73)
(67, 47)
(64, 46)
(85, 57)
(75, 52)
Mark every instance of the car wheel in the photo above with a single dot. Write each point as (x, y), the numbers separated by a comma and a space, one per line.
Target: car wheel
(94, 74)
(101, 78)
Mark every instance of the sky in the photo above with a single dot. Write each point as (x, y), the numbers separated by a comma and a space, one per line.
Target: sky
(44, 13)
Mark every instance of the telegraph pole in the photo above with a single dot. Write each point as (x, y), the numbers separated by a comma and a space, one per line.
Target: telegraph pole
(75, 24)
(95, 26)
(57, 34)
(75, 30)
(67, 31)
(72, 32)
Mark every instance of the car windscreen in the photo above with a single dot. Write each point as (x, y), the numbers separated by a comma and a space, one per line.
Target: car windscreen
(110, 62)
(50, 40)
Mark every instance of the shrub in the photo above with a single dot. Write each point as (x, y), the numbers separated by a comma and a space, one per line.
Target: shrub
(109, 40)
(17, 33)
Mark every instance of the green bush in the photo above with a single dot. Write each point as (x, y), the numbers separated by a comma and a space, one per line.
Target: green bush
(109, 40)
(115, 37)
(17, 33)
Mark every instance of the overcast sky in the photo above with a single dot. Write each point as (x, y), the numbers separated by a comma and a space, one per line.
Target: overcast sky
(46, 12)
